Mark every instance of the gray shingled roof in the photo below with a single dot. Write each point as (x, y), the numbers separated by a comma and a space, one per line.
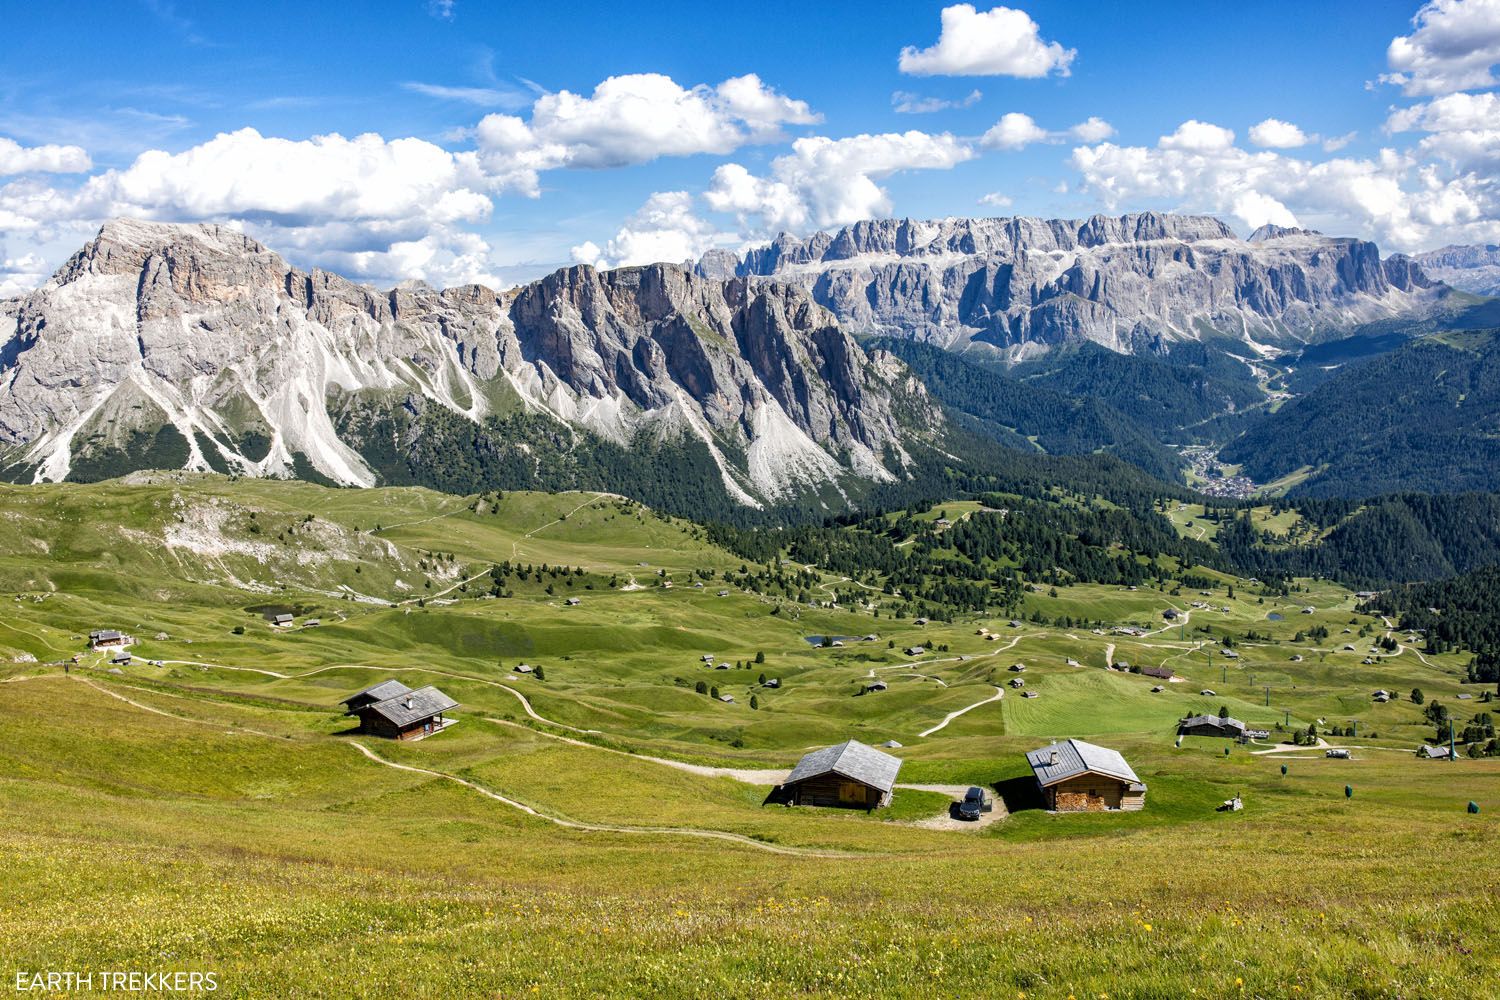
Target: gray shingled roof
(414, 706)
(1075, 757)
(379, 692)
(1214, 720)
(851, 759)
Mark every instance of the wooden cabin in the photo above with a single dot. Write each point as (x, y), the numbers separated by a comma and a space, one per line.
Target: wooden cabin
(1075, 776)
(1212, 725)
(1160, 673)
(106, 637)
(394, 711)
(283, 620)
(850, 774)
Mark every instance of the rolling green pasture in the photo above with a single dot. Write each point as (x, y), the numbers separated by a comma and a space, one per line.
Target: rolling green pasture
(215, 812)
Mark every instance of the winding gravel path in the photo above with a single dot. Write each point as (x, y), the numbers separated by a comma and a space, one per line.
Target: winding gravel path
(999, 693)
(674, 831)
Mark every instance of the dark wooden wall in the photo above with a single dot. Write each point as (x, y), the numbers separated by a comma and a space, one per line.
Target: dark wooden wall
(831, 790)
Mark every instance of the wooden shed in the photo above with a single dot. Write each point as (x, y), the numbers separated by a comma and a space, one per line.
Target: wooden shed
(1075, 776)
(405, 715)
(1211, 725)
(849, 774)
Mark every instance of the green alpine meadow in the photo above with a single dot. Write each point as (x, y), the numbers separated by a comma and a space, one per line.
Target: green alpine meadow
(604, 824)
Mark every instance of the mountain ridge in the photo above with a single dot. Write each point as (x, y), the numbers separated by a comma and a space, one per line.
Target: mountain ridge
(1473, 269)
(203, 330)
(1134, 283)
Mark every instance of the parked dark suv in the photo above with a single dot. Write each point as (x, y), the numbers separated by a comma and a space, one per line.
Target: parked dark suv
(975, 802)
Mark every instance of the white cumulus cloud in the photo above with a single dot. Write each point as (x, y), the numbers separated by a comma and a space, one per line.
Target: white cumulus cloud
(1273, 133)
(1017, 130)
(1394, 197)
(829, 182)
(1452, 113)
(1454, 46)
(21, 274)
(1013, 131)
(665, 229)
(1092, 129)
(344, 203)
(1463, 130)
(49, 159)
(998, 42)
(1194, 136)
(633, 119)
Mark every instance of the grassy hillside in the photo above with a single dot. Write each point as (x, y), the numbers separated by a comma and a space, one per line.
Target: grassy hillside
(576, 835)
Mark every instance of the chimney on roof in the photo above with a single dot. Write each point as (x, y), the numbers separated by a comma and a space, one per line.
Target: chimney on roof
(1052, 762)
(408, 701)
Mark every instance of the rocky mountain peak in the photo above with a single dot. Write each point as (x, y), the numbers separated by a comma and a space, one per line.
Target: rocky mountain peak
(123, 245)
(1271, 231)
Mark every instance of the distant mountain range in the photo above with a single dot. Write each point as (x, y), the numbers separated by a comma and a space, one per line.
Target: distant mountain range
(1133, 283)
(1474, 269)
(734, 383)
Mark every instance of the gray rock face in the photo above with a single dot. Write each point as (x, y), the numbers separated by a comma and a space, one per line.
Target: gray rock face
(1473, 269)
(1132, 283)
(199, 328)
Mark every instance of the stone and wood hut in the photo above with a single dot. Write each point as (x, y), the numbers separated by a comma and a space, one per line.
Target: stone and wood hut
(1075, 776)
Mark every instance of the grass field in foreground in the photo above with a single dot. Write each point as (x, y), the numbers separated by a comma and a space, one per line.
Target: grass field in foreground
(214, 813)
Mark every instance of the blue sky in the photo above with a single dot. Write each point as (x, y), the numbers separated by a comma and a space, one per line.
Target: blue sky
(497, 160)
